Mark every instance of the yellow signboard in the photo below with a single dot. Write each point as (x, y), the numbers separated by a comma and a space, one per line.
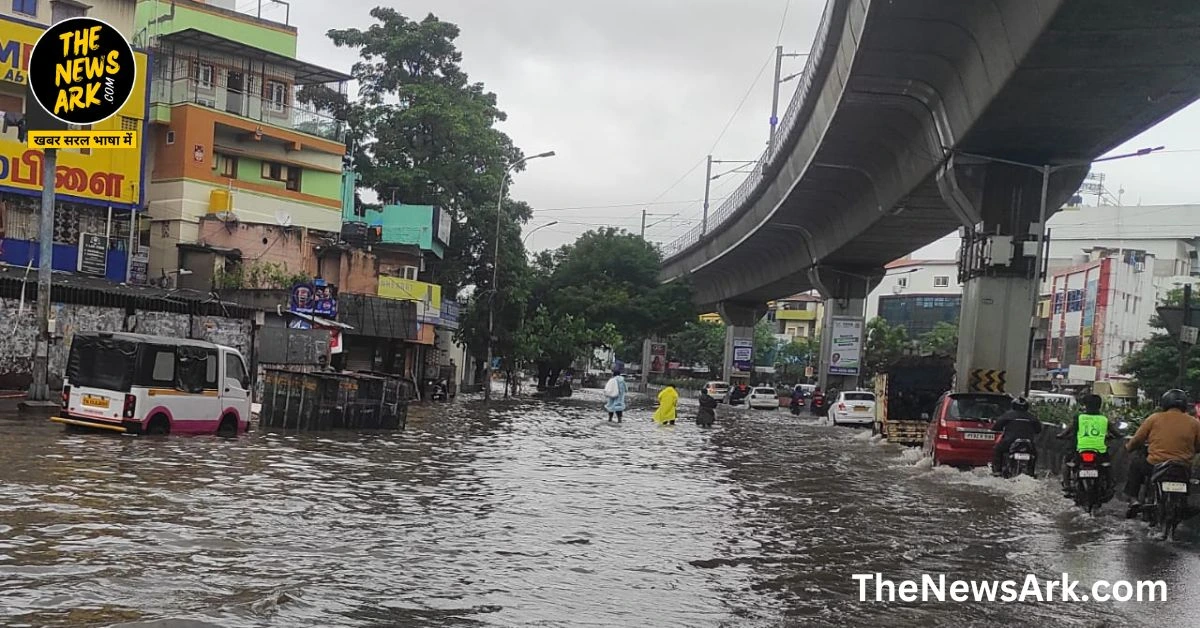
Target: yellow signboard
(94, 173)
(410, 290)
(83, 139)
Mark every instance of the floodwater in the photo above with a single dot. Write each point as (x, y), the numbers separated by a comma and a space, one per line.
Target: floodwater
(540, 514)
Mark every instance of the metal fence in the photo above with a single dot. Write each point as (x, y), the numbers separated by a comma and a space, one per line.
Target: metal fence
(750, 187)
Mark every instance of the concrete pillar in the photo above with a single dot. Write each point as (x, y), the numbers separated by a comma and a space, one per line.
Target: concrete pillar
(845, 292)
(998, 270)
(740, 319)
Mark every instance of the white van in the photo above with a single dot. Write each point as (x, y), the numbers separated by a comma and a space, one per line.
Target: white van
(140, 384)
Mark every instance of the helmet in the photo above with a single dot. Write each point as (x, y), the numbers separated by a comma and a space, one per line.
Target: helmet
(1174, 398)
(1020, 404)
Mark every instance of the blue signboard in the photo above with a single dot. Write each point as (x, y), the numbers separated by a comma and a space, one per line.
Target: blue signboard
(449, 319)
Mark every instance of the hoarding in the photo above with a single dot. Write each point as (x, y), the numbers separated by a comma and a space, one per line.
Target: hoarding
(658, 357)
(846, 346)
(743, 356)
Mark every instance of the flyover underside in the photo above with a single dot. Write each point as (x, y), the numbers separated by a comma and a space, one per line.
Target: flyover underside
(1034, 81)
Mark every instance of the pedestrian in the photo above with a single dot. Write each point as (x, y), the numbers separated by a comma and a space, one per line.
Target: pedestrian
(614, 392)
(708, 409)
(668, 398)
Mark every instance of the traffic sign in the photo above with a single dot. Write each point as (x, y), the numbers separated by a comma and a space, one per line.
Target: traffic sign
(1189, 334)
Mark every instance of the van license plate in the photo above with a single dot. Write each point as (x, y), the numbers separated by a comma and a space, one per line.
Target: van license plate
(1174, 487)
(1089, 473)
(978, 436)
(1020, 456)
(93, 401)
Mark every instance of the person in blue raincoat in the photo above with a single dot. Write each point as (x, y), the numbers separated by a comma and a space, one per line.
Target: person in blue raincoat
(614, 393)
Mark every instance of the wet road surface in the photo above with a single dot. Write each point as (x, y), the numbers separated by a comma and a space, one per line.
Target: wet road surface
(540, 514)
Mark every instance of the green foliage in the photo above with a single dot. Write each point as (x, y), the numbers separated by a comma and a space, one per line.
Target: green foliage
(258, 275)
(557, 341)
(699, 343)
(942, 339)
(1058, 413)
(766, 346)
(795, 356)
(422, 133)
(612, 276)
(884, 344)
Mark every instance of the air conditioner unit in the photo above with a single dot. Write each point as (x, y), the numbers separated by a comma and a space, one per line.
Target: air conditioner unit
(207, 102)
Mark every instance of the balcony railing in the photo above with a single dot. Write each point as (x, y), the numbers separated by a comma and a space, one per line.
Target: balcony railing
(248, 104)
(749, 189)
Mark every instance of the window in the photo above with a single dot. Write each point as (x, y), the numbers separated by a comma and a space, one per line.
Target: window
(225, 165)
(28, 7)
(277, 95)
(293, 178)
(902, 282)
(210, 374)
(272, 171)
(202, 73)
(163, 369)
(235, 370)
(409, 272)
(64, 10)
(170, 137)
(858, 396)
(941, 281)
(1074, 300)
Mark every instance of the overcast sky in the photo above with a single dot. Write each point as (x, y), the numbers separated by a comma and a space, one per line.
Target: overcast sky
(633, 94)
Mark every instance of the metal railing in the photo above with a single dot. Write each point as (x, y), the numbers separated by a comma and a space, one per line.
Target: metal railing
(249, 105)
(749, 188)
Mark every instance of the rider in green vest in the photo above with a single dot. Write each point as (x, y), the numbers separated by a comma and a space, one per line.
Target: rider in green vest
(1092, 430)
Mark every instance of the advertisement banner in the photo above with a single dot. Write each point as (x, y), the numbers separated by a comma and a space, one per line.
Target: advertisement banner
(1091, 293)
(94, 172)
(658, 357)
(846, 350)
(743, 356)
(316, 299)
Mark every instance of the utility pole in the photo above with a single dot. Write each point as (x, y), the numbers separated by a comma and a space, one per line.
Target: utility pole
(1185, 340)
(643, 224)
(39, 389)
(707, 187)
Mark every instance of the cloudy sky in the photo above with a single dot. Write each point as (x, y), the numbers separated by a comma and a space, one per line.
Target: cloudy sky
(632, 94)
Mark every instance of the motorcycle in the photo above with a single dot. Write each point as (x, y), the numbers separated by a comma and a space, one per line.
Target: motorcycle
(1165, 496)
(438, 391)
(1092, 479)
(796, 405)
(1020, 459)
(819, 407)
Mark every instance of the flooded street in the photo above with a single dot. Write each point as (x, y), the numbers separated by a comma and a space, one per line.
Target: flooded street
(539, 514)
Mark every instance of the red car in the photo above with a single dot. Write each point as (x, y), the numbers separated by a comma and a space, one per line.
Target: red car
(960, 433)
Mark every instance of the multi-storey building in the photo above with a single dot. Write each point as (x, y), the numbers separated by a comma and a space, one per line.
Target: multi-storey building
(99, 192)
(231, 131)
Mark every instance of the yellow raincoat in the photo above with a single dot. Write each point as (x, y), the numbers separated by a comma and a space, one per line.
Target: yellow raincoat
(667, 400)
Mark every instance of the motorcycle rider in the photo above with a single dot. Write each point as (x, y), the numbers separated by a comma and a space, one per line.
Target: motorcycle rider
(1091, 430)
(1016, 423)
(1171, 434)
(797, 399)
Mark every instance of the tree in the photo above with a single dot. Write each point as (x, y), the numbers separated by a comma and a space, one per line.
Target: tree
(699, 343)
(942, 339)
(553, 343)
(884, 344)
(424, 134)
(766, 345)
(611, 276)
(794, 356)
(1155, 365)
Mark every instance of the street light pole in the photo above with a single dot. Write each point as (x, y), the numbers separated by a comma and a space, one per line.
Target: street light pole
(779, 55)
(487, 367)
(707, 188)
(537, 229)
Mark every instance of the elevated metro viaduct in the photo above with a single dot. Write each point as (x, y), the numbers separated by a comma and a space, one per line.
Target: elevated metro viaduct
(910, 121)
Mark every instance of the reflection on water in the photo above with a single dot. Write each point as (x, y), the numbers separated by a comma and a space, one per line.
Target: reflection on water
(535, 514)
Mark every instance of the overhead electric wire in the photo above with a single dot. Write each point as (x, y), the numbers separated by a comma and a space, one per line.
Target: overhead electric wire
(783, 22)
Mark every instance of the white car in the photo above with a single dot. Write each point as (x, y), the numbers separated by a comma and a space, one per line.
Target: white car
(717, 390)
(856, 407)
(763, 398)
